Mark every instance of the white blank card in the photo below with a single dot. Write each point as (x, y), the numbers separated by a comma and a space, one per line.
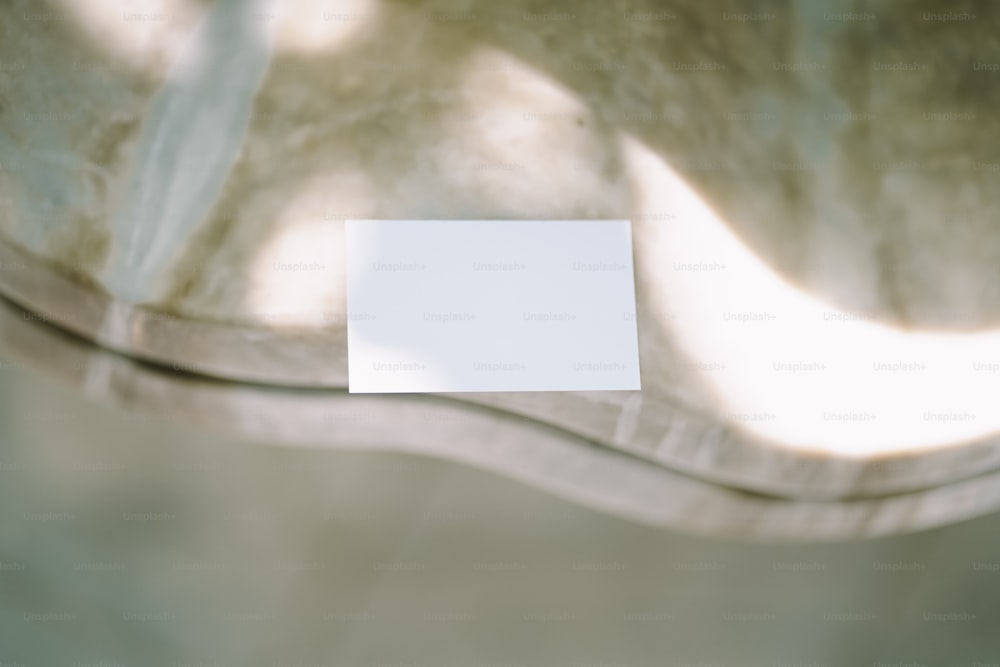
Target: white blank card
(490, 305)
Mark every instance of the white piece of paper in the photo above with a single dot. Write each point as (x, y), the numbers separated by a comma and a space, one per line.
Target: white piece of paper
(490, 305)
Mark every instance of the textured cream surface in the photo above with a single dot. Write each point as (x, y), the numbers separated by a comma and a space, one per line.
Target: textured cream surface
(856, 159)
(873, 188)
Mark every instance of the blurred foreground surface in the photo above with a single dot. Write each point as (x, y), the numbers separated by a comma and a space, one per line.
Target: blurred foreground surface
(132, 541)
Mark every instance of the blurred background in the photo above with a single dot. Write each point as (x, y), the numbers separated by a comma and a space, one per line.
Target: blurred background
(131, 540)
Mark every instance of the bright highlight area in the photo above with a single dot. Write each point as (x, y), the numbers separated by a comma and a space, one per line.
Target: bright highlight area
(831, 380)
